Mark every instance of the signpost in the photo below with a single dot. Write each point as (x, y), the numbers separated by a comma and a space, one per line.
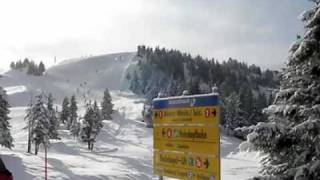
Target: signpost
(187, 137)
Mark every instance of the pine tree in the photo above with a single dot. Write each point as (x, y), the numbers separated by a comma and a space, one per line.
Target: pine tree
(291, 138)
(39, 119)
(106, 105)
(25, 63)
(92, 125)
(41, 68)
(5, 135)
(19, 65)
(87, 126)
(97, 124)
(13, 65)
(234, 115)
(54, 122)
(65, 112)
(135, 83)
(194, 86)
(97, 117)
(73, 113)
(30, 121)
(246, 99)
(32, 68)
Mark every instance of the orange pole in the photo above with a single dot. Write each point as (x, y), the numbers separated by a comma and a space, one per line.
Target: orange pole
(46, 162)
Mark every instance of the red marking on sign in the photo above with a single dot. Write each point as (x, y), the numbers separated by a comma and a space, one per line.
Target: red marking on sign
(160, 114)
(198, 162)
(207, 113)
(169, 133)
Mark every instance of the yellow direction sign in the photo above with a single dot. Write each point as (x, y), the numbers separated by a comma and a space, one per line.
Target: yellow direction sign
(187, 134)
(187, 174)
(194, 147)
(187, 137)
(206, 114)
(192, 162)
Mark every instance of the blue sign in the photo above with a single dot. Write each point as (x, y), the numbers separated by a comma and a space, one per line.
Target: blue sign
(186, 101)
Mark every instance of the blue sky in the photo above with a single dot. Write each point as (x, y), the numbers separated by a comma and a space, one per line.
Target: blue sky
(254, 31)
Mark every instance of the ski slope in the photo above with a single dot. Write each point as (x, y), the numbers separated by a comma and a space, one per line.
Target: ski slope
(124, 147)
(76, 76)
(123, 150)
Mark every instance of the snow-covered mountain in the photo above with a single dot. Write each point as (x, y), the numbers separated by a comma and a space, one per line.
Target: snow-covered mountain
(77, 76)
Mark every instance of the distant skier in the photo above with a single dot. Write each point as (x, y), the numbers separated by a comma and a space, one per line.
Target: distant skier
(5, 174)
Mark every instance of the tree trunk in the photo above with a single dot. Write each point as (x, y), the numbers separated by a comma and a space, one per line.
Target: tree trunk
(91, 146)
(29, 138)
(29, 145)
(36, 147)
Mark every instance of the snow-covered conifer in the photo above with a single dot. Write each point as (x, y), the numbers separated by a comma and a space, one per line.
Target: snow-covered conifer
(106, 105)
(74, 124)
(92, 124)
(41, 68)
(65, 112)
(291, 138)
(54, 122)
(38, 118)
(87, 126)
(234, 115)
(97, 117)
(5, 135)
(73, 112)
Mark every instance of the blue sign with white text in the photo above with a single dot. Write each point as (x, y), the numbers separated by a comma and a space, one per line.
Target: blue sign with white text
(188, 101)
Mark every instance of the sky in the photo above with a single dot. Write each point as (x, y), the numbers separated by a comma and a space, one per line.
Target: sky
(253, 31)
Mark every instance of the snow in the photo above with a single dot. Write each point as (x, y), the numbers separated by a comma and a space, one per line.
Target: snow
(15, 89)
(123, 150)
(2, 71)
(305, 15)
(124, 147)
(79, 77)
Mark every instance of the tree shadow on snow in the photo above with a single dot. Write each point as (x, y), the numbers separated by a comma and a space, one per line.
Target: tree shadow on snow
(15, 166)
(59, 166)
(62, 148)
(141, 165)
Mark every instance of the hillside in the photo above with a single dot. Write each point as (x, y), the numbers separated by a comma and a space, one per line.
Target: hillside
(245, 89)
(77, 76)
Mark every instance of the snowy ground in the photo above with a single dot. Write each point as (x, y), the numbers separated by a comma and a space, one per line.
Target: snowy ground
(123, 149)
